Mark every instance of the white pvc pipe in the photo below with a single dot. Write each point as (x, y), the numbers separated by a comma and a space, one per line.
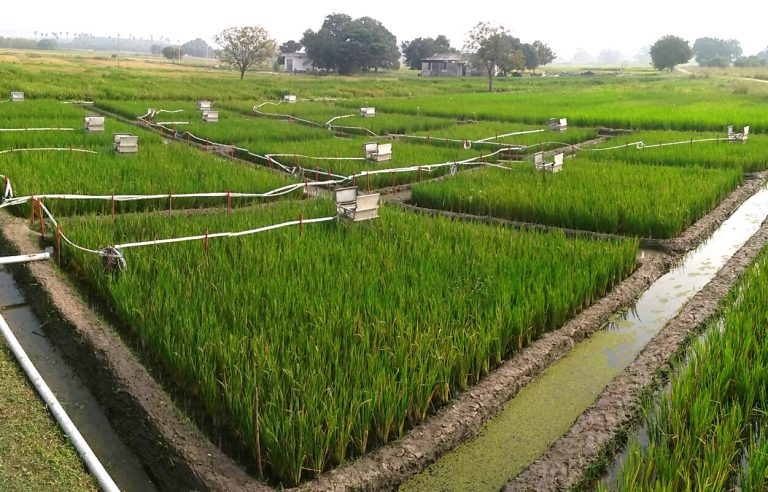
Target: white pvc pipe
(91, 461)
(7, 260)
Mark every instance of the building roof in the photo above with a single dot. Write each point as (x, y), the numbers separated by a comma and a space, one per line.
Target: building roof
(295, 55)
(455, 57)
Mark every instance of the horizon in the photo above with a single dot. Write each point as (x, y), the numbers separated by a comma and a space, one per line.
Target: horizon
(593, 26)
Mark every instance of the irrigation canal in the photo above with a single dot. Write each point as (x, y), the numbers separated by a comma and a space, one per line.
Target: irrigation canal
(77, 400)
(545, 409)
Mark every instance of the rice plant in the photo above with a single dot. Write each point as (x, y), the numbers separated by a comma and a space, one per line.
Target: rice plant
(708, 431)
(749, 156)
(314, 347)
(613, 198)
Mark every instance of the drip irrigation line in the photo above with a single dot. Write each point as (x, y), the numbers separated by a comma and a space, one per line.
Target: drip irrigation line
(201, 237)
(525, 132)
(49, 149)
(640, 145)
(328, 123)
(77, 102)
(38, 129)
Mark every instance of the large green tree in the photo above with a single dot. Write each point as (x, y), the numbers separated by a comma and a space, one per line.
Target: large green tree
(494, 49)
(421, 48)
(715, 52)
(196, 47)
(670, 51)
(537, 54)
(347, 45)
(245, 47)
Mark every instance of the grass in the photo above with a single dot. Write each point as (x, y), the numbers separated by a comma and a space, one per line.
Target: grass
(34, 454)
(344, 337)
(612, 198)
(708, 430)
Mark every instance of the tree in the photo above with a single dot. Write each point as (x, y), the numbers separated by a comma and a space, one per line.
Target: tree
(537, 54)
(347, 45)
(492, 47)
(47, 44)
(172, 52)
(290, 47)
(246, 46)
(544, 53)
(156, 49)
(714, 52)
(421, 48)
(669, 51)
(196, 47)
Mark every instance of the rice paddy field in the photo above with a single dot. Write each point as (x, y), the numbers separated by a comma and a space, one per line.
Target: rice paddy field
(362, 367)
(712, 151)
(711, 421)
(314, 344)
(614, 197)
(158, 168)
(665, 104)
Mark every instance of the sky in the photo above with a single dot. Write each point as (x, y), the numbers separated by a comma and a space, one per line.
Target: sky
(591, 25)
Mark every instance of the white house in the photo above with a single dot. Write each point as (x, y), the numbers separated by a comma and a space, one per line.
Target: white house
(444, 64)
(297, 62)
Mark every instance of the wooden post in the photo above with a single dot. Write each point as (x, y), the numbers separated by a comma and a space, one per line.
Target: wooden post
(419, 172)
(354, 180)
(368, 182)
(393, 180)
(40, 214)
(205, 241)
(229, 202)
(170, 203)
(113, 208)
(58, 243)
(301, 224)
(32, 214)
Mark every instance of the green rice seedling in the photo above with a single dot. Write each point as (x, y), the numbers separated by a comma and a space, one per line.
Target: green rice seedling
(644, 103)
(496, 132)
(749, 156)
(160, 167)
(352, 123)
(232, 127)
(335, 154)
(753, 475)
(341, 336)
(715, 409)
(613, 198)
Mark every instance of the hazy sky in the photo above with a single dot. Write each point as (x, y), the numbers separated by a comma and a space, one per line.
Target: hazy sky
(564, 25)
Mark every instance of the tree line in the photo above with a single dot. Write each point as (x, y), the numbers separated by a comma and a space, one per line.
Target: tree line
(670, 51)
(345, 45)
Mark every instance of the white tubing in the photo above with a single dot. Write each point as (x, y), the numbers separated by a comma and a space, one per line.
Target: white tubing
(7, 260)
(49, 149)
(37, 129)
(91, 461)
